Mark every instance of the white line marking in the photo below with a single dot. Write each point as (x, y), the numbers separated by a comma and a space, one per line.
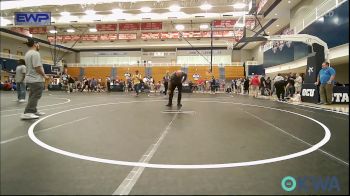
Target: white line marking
(44, 109)
(295, 137)
(173, 166)
(43, 130)
(177, 112)
(131, 179)
(68, 100)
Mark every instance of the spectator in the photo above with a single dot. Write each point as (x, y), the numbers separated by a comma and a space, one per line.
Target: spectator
(268, 86)
(212, 85)
(326, 78)
(166, 79)
(262, 85)
(245, 86)
(255, 85)
(20, 76)
(136, 78)
(279, 85)
(70, 84)
(297, 83)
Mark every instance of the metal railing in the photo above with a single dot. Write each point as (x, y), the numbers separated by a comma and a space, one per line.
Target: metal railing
(317, 13)
(17, 57)
(151, 65)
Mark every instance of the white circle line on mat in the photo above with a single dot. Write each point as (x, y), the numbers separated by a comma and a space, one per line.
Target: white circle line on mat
(176, 166)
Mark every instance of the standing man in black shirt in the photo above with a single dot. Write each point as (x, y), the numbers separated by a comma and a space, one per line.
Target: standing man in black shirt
(176, 80)
(166, 79)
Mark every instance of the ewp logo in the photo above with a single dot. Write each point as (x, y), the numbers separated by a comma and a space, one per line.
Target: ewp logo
(33, 18)
(307, 183)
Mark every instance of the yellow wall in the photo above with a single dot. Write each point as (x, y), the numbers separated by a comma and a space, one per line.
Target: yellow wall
(122, 70)
(73, 71)
(232, 72)
(97, 72)
(158, 72)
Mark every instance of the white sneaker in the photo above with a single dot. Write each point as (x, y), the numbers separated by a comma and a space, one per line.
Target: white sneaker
(29, 116)
(22, 101)
(40, 113)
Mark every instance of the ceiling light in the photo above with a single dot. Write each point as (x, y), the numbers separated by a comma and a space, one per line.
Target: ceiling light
(174, 8)
(275, 14)
(93, 30)
(90, 12)
(277, 25)
(288, 1)
(70, 30)
(53, 31)
(180, 27)
(206, 6)
(204, 26)
(117, 11)
(321, 19)
(146, 9)
(65, 13)
(239, 5)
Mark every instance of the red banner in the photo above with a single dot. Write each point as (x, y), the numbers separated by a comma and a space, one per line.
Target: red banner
(37, 30)
(129, 26)
(250, 24)
(148, 36)
(127, 36)
(151, 26)
(21, 30)
(224, 23)
(106, 27)
(170, 35)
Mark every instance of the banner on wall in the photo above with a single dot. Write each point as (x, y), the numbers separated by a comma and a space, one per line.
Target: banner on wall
(127, 36)
(149, 36)
(33, 18)
(224, 23)
(151, 26)
(129, 26)
(37, 30)
(21, 30)
(106, 27)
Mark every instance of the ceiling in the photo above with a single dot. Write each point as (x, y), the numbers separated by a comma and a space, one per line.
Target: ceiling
(189, 15)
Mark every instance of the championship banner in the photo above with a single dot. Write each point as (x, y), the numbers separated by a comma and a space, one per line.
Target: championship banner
(106, 27)
(127, 36)
(21, 30)
(151, 26)
(37, 30)
(224, 23)
(148, 36)
(129, 26)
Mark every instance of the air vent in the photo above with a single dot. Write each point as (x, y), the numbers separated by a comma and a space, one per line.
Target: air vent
(172, 17)
(199, 16)
(74, 21)
(146, 18)
(97, 20)
(52, 22)
(227, 15)
(121, 19)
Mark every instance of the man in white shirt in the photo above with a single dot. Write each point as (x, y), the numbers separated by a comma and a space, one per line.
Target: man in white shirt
(20, 76)
(35, 79)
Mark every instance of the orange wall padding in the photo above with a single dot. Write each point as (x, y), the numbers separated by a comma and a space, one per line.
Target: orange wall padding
(73, 71)
(203, 72)
(97, 72)
(232, 72)
(158, 72)
(122, 70)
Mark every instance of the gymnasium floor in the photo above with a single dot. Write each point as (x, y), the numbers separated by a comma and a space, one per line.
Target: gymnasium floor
(100, 143)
